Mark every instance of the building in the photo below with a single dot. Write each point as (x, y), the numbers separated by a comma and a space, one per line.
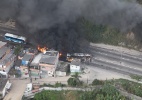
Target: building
(75, 66)
(34, 66)
(24, 70)
(48, 63)
(62, 69)
(31, 51)
(4, 87)
(2, 44)
(27, 58)
(7, 59)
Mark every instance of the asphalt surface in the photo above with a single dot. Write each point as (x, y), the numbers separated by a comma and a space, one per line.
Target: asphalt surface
(102, 58)
(116, 61)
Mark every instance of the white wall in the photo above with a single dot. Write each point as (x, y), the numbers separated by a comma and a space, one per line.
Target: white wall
(4, 90)
(59, 73)
(74, 68)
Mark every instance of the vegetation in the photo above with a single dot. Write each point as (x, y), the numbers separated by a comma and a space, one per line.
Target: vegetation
(136, 77)
(97, 82)
(49, 95)
(17, 49)
(101, 33)
(57, 84)
(131, 87)
(107, 92)
(74, 80)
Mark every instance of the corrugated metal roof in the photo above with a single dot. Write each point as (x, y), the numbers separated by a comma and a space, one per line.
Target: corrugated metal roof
(48, 60)
(2, 83)
(3, 50)
(74, 62)
(36, 60)
(27, 57)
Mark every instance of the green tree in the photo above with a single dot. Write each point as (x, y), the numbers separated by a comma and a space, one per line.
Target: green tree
(17, 50)
(74, 80)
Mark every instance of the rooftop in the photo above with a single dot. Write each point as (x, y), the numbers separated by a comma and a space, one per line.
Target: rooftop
(18, 63)
(2, 83)
(49, 57)
(3, 50)
(27, 57)
(48, 60)
(62, 66)
(75, 62)
(2, 43)
(51, 53)
(36, 59)
(7, 58)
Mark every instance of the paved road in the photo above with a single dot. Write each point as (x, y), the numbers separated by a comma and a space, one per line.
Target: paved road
(116, 61)
(17, 89)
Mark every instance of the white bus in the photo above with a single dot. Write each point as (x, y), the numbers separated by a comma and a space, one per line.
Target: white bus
(15, 38)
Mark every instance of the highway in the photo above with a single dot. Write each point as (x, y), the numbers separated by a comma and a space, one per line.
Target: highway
(116, 61)
(104, 58)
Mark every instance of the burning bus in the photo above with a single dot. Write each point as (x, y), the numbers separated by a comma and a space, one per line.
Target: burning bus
(82, 56)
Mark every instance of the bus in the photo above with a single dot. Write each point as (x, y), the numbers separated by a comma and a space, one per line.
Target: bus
(15, 38)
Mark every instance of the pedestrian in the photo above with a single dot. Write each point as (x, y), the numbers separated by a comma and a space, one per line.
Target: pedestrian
(35, 78)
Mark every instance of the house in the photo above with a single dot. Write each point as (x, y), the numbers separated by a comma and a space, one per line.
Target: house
(62, 69)
(34, 66)
(4, 87)
(7, 59)
(31, 51)
(48, 63)
(24, 70)
(26, 59)
(75, 66)
(18, 64)
(2, 44)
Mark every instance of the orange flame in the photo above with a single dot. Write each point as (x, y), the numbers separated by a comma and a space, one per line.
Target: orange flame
(60, 54)
(42, 49)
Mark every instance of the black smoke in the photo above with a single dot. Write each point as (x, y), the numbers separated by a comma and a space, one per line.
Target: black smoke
(54, 21)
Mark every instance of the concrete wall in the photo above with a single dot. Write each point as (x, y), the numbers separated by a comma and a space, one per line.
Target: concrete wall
(4, 89)
(74, 68)
(59, 73)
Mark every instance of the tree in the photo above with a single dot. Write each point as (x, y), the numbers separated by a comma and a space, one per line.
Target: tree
(17, 50)
(74, 80)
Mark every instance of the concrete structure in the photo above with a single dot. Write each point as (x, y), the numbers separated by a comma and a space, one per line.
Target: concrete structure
(34, 66)
(2, 44)
(28, 88)
(75, 66)
(18, 64)
(24, 71)
(7, 59)
(48, 63)
(31, 51)
(62, 69)
(4, 87)
(27, 59)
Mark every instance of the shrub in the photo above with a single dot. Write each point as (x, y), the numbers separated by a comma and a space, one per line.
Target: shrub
(97, 82)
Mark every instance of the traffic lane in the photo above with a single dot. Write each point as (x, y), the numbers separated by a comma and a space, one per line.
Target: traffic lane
(115, 63)
(110, 68)
(118, 67)
(118, 61)
(116, 58)
(127, 56)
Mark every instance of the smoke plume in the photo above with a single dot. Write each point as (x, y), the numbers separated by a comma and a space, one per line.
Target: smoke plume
(53, 21)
